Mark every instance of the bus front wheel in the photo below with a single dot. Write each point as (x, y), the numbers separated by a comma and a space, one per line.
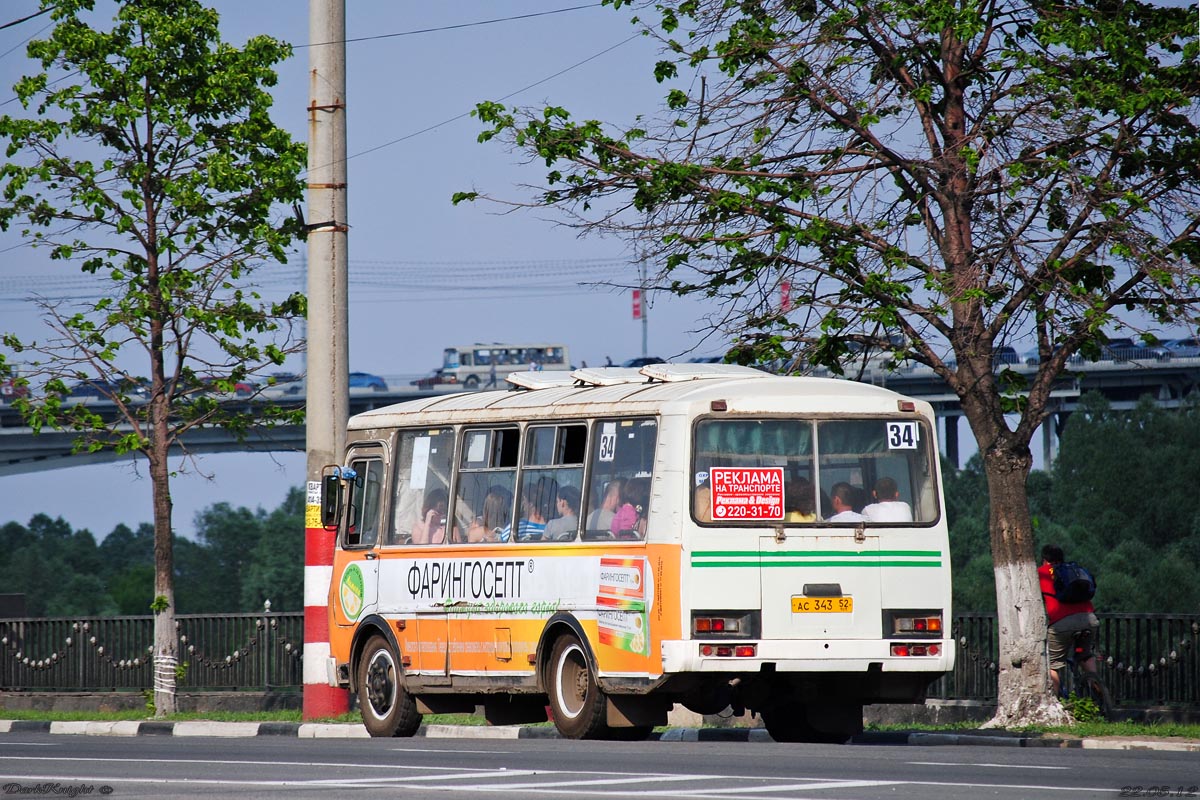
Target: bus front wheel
(387, 708)
(577, 702)
(472, 382)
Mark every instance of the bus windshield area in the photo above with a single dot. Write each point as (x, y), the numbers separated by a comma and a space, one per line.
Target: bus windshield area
(813, 472)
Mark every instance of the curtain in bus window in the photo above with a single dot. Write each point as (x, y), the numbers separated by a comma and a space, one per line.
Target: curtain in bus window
(769, 444)
(622, 461)
(365, 498)
(879, 470)
(483, 507)
(422, 498)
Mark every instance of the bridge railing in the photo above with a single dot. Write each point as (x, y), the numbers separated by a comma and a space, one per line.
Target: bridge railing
(1148, 659)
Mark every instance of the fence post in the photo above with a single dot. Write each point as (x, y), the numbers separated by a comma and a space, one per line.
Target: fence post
(268, 645)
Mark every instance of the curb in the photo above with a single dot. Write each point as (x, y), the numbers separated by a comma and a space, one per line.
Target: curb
(331, 730)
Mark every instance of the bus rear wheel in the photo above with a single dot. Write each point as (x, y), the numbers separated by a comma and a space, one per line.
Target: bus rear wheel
(794, 722)
(387, 708)
(578, 704)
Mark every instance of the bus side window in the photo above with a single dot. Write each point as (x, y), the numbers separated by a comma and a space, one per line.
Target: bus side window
(551, 481)
(487, 472)
(422, 479)
(622, 452)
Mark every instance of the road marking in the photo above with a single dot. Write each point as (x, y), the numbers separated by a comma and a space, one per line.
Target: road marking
(1001, 766)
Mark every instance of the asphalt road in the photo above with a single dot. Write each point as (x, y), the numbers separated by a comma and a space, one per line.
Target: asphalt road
(37, 764)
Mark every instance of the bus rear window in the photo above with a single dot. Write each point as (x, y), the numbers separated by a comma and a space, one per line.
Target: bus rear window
(801, 472)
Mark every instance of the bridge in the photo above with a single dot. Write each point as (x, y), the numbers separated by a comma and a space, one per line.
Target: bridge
(1170, 383)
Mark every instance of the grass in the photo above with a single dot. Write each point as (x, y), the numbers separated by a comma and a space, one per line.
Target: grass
(1083, 729)
(1079, 730)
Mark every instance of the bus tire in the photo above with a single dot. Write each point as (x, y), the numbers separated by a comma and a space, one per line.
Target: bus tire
(579, 707)
(387, 708)
(472, 382)
(790, 723)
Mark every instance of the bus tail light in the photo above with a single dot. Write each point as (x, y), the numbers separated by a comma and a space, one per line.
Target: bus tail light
(923, 623)
(915, 649)
(725, 624)
(729, 650)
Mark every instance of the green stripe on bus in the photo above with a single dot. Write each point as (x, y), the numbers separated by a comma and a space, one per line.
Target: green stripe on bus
(807, 553)
(817, 564)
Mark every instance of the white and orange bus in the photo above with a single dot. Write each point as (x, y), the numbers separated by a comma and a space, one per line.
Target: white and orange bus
(606, 543)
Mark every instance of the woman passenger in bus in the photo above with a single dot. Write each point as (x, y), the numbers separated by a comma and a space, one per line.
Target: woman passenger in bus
(800, 501)
(431, 526)
(630, 520)
(497, 506)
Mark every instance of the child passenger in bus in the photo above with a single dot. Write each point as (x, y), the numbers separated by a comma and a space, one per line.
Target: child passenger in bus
(630, 519)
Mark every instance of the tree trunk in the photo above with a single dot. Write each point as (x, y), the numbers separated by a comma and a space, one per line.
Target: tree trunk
(1024, 696)
(165, 637)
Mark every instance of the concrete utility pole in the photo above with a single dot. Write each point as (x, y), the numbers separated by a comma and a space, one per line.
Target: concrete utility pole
(328, 351)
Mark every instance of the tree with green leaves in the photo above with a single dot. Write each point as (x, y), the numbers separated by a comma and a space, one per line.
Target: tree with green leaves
(931, 179)
(151, 160)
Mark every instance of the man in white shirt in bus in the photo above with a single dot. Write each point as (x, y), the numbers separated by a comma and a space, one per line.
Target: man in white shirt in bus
(888, 507)
(841, 497)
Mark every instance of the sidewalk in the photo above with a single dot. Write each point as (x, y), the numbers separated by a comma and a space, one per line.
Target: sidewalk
(306, 730)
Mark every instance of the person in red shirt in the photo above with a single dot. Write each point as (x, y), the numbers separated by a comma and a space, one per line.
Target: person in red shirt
(1064, 620)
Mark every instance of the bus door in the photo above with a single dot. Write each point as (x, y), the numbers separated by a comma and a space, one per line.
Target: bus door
(356, 576)
(419, 573)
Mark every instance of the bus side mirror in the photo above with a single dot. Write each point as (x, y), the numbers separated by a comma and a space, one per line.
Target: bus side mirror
(331, 500)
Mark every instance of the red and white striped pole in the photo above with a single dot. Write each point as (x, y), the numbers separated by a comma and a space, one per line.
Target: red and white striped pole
(321, 700)
(327, 349)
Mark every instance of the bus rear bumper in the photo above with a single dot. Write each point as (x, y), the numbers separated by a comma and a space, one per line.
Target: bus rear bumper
(806, 656)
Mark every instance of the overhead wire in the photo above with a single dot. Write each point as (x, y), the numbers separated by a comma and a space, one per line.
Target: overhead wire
(489, 271)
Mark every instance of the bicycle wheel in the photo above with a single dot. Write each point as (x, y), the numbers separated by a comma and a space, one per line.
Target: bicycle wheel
(1091, 687)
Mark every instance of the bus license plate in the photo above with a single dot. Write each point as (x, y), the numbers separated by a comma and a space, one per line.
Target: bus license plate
(822, 605)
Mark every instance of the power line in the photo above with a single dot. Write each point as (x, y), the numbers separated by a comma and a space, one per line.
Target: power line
(505, 97)
(46, 10)
(449, 27)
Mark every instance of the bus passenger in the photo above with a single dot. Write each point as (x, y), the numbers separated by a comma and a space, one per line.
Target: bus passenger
(800, 501)
(630, 519)
(537, 505)
(888, 507)
(565, 526)
(430, 528)
(601, 518)
(842, 497)
(494, 516)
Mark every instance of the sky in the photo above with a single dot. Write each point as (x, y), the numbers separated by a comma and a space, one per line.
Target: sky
(424, 274)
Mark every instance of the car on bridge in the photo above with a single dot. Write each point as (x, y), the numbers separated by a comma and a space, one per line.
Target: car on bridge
(105, 390)
(1126, 349)
(642, 361)
(11, 390)
(365, 380)
(1183, 348)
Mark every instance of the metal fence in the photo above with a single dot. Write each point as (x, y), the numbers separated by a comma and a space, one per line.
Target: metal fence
(1146, 659)
(1149, 659)
(217, 652)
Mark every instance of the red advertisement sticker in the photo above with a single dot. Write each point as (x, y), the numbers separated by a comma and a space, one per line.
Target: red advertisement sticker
(747, 493)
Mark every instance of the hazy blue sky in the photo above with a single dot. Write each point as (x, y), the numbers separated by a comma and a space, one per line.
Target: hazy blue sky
(423, 273)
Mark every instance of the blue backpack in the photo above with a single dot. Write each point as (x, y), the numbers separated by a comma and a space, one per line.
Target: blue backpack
(1072, 583)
